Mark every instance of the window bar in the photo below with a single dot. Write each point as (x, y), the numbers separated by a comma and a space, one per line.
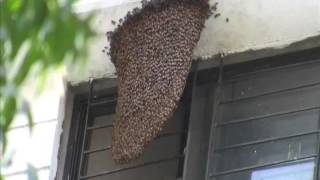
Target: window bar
(274, 68)
(190, 88)
(270, 93)
(97, 150)
(103, 102)
(266, 141)
(216, 102)
(268, 116)
(317, 166)
(159, 137)
(132, 167)
(85, 128)
(72, 162)
(100, 127)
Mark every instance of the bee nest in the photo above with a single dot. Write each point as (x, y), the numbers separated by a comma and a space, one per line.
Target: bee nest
(152, 51)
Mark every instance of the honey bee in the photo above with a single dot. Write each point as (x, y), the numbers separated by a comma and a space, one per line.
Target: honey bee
(152, 51)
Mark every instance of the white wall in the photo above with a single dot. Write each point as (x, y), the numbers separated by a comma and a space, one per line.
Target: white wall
(253, 24)
(256, 24)
(35, 147)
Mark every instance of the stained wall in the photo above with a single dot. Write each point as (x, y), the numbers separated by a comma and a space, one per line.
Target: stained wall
(237, 27)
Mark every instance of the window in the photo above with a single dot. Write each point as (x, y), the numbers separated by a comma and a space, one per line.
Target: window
(254, 121)
(89, 155)
(266, 122)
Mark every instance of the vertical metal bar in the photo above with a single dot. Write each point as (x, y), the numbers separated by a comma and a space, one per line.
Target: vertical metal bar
(216, 102)
(191, 95)
(317, 166)
(77, 141)
(85, 129)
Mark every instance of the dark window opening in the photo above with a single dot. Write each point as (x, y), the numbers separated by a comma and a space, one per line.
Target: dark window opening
(267, 122)
(260, 122)
(89, 151)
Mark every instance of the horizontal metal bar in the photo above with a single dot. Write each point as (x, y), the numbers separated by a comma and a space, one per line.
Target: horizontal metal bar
(240, 76)
(265, 141)
(97, 150)
(99, 127)
(109, 147)
(171, 134)
(111, 126)
(267, 116)
(269, 93)
(262, 166)
(102, 102)
(133, 167)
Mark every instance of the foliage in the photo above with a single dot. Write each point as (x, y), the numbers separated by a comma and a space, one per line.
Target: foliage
(35, 37)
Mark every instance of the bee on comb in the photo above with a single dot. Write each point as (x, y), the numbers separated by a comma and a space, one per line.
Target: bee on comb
(152, 51)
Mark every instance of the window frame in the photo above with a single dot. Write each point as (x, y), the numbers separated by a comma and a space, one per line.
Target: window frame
(79, 119)
(274, 62)
(199, 131)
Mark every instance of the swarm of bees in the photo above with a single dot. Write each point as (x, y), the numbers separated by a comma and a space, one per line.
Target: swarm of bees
(152, 51)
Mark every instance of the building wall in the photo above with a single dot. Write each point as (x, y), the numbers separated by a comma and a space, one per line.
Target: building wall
(37, 146)
(241, 26)
(252, 25)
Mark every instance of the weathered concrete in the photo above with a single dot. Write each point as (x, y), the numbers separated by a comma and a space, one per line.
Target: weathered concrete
(242, 26)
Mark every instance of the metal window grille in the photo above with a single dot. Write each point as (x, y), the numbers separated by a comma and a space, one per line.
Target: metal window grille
(229, 116)
(265, 119)
(89, 155)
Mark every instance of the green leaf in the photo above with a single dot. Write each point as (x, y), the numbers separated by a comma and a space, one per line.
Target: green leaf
(42, 83)
(14, 5)
(6, 160)
(30, 119)
(3, 141)
(41, 12)
(26, 66)
(25, 109)
(53, 32)
(10, 108)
